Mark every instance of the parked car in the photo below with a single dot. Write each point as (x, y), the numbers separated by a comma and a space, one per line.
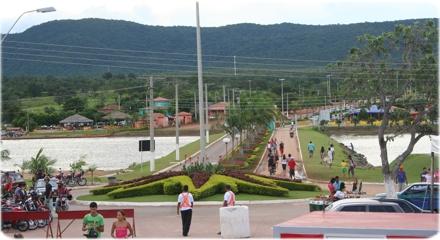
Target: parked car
(40, 185)
(418, 194)
(407, 207)
(363, 205)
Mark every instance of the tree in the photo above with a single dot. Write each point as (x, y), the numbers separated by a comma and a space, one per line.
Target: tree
(75, 104)
(92, 169)
(39, 163)
(78, 165)
(397, 68)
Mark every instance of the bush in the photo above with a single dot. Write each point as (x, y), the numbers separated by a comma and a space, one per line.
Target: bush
(199, 178)
(203, 167)
(252, 188)
(297, 186)
(215, 184)
(172, 187)
(147, 189)
(103, 190)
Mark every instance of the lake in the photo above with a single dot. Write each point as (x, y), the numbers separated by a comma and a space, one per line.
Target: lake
(106, 153)
(369, 146)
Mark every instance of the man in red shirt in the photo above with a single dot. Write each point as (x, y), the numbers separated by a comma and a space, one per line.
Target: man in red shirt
(292, 165)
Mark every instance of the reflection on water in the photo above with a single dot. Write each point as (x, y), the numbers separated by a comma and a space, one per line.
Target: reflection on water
(106, 153)
(369, 146)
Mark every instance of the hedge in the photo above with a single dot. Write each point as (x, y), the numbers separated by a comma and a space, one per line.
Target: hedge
(103, 190)
(168, 186)
(297, 186)
(215, 184)
(147, 189)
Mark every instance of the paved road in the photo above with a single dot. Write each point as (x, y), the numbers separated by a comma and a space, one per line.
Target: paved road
(213, 152)
(162, 222)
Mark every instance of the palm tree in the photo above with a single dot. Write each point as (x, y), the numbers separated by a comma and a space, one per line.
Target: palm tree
(39, 163)
(92, 168)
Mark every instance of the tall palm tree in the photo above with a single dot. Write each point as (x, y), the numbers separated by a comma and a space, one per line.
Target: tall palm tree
(39, 163)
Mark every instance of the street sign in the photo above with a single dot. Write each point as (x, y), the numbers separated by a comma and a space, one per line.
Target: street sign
(145, 145)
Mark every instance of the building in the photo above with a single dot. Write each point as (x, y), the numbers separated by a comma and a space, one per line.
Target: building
(76, 121)
(118, 117)
(161, 103)
(109, 108)
(185, 118)
(217, 110)
(160, 120)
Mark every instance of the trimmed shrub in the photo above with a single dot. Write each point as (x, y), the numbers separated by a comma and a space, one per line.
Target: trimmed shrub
(199, 178)
(252, 188)
(266, 181)
(242, 176)
(103, 190)
(147, 189)
(297, 186)
(172, 187)
(215, 184)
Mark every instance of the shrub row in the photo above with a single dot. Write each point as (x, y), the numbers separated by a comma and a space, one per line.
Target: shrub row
(242, 176)
(277, 178)
(103, 190)
(297, 186)
(170, 186)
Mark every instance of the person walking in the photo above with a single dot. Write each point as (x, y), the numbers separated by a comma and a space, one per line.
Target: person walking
(330, 157)
(93, 222)
(422, 175)
(281, 148)
(292, 165)
(121, 228)
(401, 179)
(352, 166)
(322, 153)
(311, 148)
(185, 203)
(284, 164)
(333, 151)
(336, 183)
(229, 197)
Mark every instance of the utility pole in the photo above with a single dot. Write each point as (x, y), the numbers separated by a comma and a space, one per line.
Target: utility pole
(287, 106)
(233, 97)
(200, 85)
(152, 143)
(119, 102)
(250, 90)
(224, 93)
(177, 120)
(235, 67)
(329, 87)
(27, 125)
(195, 106)
(282, 97)
(206, 112)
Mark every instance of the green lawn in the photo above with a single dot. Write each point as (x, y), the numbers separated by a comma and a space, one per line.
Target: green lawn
(414, 164)
(320, 172)
(167, 160)
(217, 197)
(37, 105)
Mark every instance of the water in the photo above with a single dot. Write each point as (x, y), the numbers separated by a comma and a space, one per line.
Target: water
(106, 153)
(369, 146)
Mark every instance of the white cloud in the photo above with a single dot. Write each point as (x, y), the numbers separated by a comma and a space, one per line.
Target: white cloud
(217, 13)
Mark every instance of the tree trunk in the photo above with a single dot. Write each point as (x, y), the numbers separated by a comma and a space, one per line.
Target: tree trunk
(93, 179)
(389, 186)
(240, 142)
(388, 178)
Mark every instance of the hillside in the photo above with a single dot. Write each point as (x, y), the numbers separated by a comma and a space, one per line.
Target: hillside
(286, 40)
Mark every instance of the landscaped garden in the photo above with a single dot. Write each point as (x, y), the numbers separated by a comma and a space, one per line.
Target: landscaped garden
(205, 182)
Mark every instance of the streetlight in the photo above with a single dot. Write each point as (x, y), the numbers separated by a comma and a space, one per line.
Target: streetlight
(40, 10)
(282, 99)
(226, 140)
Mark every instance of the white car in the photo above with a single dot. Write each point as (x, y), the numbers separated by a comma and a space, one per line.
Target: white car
(40, 185)
(363, 205)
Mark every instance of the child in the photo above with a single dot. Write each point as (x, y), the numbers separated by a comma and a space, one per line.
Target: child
(344, 165)
(121, 227)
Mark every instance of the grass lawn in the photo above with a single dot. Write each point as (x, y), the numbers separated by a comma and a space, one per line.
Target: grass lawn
(37, 105)
(167, 160)
(217, 197)
(414, 164)
(320, 172)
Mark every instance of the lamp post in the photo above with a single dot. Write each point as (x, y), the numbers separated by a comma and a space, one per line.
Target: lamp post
(226, 140)
(282, 99)
(40, 10)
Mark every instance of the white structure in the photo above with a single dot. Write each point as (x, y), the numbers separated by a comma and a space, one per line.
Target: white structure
(234, 222)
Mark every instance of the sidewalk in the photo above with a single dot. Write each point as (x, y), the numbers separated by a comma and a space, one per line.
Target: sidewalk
(291, 146)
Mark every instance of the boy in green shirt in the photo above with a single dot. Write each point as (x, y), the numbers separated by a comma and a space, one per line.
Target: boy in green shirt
(93, 222)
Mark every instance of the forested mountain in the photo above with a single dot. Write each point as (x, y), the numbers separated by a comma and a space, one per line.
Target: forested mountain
(152, 46)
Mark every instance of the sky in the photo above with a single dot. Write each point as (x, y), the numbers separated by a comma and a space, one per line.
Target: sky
(218, 12)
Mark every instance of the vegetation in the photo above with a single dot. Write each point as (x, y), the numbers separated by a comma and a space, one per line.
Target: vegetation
(397, 68)
(39, 163)
(5, 155)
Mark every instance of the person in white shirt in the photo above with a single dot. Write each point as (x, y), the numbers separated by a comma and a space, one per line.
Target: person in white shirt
(340, 194)
(185, 203)
(330, 157)
(229, 198)
(428, 176)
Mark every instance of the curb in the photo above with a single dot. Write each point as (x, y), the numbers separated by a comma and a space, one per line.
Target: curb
(199, 203)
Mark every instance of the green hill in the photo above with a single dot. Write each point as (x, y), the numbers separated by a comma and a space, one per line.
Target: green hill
(151, 43)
